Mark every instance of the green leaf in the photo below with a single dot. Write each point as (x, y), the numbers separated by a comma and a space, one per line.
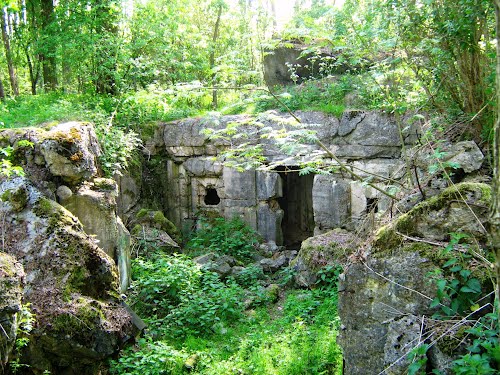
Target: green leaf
(474, 285)
(450, 262)
(456, 268)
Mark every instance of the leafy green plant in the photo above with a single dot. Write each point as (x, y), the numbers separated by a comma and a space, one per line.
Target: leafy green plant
(7, 168)
(178, 298)
(232, 237)
(457, 292)
(418, 360)
(152, 358)
(206, 331)
(473, 364)
(327, 279)
(118, 147)
(483, 355)
(208, 309)
(250, 276)
(160, 282)
(26, 320)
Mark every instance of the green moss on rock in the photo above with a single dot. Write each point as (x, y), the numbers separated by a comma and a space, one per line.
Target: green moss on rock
(18, 198)
(7, 268)
(76, 282)
(476, 195)
(106, 184)
(58, 216)
(156, 219)
(83, 317)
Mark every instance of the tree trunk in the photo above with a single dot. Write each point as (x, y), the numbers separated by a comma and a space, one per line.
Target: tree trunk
(34, 76)
(2, 92)
(48, 56)
(495, 207)
(215, 36)
(8, 53)
(273, 15)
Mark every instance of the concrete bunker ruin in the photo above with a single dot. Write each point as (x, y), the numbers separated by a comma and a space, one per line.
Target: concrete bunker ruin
(283, 206)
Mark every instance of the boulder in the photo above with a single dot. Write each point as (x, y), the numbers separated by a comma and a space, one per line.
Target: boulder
(152, 239)
(71, 150)
(464, 155)
(328, 249)
(130, 187)
(292, 62)
(385, 295)
(220, 264)
(279, 259)
(461, 208)
(157, 220)
(94, 204)
(71, 284)
(274, 264)
(11, 294)
(67, 151)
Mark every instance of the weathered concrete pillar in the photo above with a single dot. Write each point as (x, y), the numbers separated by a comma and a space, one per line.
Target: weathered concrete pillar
(331, 203)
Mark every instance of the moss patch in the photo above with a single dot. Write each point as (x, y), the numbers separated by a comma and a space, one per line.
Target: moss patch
(66, 137)
(58, 216)
(18, 198)
(157, 219)
(478, 195)
(148, 130)
(106, 184)
(75, 282)
(7, 268)
(81, 321)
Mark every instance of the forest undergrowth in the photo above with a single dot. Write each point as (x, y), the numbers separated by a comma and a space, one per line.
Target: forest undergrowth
(250, 323)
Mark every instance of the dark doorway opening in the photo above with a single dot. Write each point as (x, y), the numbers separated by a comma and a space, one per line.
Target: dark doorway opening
(211, 197)
(297, 204)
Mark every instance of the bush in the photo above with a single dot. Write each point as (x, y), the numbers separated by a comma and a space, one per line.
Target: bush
(177, 298)
(151, 358)
(231, 237)
(208, 309)
(160, 283)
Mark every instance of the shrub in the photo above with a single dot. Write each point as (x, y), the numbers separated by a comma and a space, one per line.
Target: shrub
(161, 282)
(177, 298)
(231, 237)
(208, 309)
(151, 358)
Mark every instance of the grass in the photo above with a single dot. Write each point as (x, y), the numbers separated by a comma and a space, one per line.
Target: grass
(320, 95)
(136, 110)
(35, 110)
(269, 340)
(199, 323)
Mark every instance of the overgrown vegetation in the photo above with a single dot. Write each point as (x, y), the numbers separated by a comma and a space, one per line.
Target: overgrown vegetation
(125, 68)
(221, 236)
(202, 324)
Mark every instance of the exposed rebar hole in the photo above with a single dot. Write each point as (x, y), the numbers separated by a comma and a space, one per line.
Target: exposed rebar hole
(211, 197)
